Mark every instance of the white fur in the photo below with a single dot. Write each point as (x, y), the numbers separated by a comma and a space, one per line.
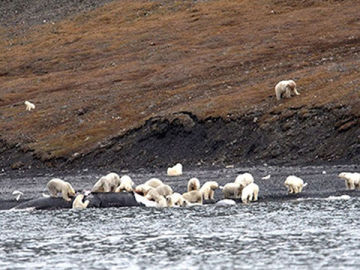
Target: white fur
(193, 184)
(285, 87)
(244, 179)
(294, 184)
(194, 196)
(250, 193)
(78, 202)
(352, 180)
(126, 184)
(208, 190)
(29, 106)
(232, 190)
(175, 170)
(57, 185)
(175, 200)
(154, 182)
(107, 183)
(143, 189)
(164, 190)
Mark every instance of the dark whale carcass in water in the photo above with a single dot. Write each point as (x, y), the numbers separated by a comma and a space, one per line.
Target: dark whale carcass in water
(97, 200)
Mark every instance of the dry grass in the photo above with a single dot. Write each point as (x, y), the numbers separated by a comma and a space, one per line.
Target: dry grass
(99, 74)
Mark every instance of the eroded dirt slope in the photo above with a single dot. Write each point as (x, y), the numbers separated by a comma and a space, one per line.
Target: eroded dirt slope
(146, 83)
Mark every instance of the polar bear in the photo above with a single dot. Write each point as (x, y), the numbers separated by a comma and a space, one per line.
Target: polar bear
(78, 203)
(250, 193)
(208, 190)
(175, 170)
(57, 185)
(175, 199)
(244, 179)
(352, 180)
(194, 196)
(294, 184)
(29, 106)
(126, 184)
(142, 189)
(160, 200)
(107, 183)
(193, 184)
(154, 182)
(285, 87)
(232, 190)
(164, 190)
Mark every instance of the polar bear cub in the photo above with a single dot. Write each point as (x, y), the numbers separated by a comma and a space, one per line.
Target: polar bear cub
(208, 190)
(232, 190)
(285, 87)
(107, 183)
(193, 184)
(294, 184)
(352, 180)
(250, 193)
(79, 203)
(126, 184)
(244, 179)
(29, 106)
(57, 185)
(175, 170)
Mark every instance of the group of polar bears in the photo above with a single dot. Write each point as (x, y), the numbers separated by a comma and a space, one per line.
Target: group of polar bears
(163, 195)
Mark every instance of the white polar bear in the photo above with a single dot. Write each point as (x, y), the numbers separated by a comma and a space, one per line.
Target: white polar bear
(250, 193)
(29, 106)
(78, 203)
(57, 185)
(142, 189)
(232, 190)
(208, 190)
(107, 183)
(294, 184)
(285, 87)
(175, 170)
(352, 180)
(126, 184)
(193, 184)
(160, 200)
(154, 182)
(193, 197)
(244, 179)
(164, 190)
(175, 200)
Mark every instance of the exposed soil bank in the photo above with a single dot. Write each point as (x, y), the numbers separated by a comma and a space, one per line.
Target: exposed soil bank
(130, 84)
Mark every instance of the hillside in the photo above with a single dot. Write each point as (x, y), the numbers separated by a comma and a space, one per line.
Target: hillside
(148, 83)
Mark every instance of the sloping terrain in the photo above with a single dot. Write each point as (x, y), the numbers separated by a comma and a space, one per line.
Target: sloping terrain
(147, 83)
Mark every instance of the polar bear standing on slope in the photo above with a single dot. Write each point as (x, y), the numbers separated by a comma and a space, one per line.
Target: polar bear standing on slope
(107, 183)
(57, 185)
(285, 88)
(352, 180)
(29, 106)
(294, 184)
(250, 193)
(126, 184)
(78, 203)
